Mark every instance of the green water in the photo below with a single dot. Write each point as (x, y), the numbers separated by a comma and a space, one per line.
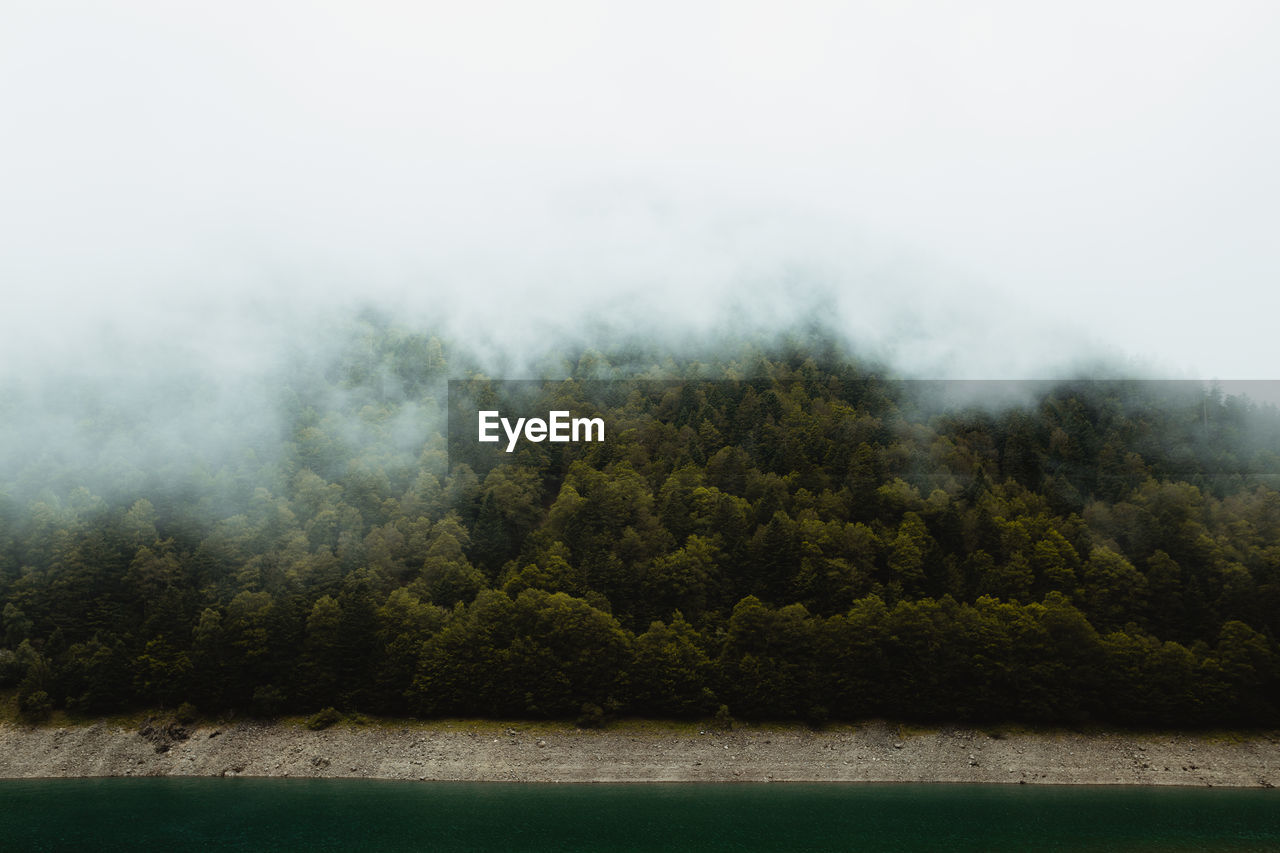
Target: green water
(322, 814)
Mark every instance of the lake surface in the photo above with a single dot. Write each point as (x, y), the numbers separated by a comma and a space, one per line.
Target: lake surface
(336, 814)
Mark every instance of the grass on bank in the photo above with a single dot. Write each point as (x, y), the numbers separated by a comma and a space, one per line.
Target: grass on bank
(641, 727)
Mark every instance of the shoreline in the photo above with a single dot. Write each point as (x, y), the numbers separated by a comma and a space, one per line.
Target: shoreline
(482, 751)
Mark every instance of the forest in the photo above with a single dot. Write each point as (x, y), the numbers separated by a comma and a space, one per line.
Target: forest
(771, 531)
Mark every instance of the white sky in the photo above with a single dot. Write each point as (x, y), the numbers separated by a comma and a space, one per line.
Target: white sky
(979, 189)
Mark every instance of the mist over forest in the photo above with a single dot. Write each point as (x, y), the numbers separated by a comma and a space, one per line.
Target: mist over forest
(774, 528)
(247, 247)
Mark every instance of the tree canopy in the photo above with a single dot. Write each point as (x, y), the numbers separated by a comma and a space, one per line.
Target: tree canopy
(778, 529)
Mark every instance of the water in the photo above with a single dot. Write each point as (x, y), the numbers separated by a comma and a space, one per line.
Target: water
(333, 814)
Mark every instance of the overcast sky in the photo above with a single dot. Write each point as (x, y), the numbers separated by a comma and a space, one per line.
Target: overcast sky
(978, 189)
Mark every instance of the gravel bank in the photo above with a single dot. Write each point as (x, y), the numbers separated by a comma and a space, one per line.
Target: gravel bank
(875, 752)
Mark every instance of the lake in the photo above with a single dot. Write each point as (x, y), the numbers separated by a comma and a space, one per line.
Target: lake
(341, 814)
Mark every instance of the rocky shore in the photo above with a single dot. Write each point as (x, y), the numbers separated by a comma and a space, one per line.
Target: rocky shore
(642, 752)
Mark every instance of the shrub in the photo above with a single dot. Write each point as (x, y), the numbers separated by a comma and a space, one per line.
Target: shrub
(10, 671)
(592, 716)
(35, 706)
(323, 719)
(267, 701)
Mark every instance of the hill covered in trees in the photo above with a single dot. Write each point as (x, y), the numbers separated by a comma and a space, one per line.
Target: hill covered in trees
(781, 530)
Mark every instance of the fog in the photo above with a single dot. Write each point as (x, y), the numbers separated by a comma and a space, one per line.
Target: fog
(974, 191)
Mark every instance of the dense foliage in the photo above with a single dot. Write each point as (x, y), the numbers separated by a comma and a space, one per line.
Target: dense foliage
(785, 533)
